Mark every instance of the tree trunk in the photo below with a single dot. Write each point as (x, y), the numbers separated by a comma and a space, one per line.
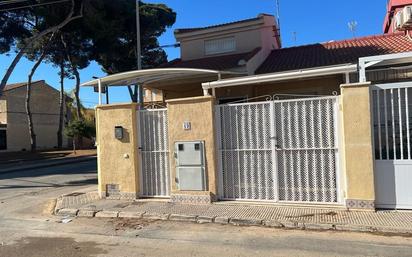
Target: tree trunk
(77, 76)
(33, 143)
(34, 38)
(133, 95)
(74, 145)
(11, 68)
(61, 107)
(77, 92)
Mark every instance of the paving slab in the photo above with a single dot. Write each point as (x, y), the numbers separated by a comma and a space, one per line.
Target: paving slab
(179, 217)
(130, 214)
(245, 221)
(68, 212)
(86, 213)
(272, 224)
(205, 219)
(107, 214)
(222, 220)
(155, 216)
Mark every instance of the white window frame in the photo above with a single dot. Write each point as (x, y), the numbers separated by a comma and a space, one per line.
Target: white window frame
(220, 45)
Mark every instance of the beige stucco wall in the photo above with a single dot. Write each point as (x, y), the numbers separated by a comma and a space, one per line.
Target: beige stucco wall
(246, 41)
(357, 142)
(3, 110)
(248, 36)
(200, 112)
(44, 105)
(117, 159)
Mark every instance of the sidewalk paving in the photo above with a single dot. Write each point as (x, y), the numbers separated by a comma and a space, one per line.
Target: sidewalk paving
(88, 205)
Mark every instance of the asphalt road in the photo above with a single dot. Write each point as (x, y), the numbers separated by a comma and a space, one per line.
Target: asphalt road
(28, 229)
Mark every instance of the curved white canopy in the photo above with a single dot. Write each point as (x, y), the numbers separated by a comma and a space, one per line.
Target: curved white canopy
(150, 75)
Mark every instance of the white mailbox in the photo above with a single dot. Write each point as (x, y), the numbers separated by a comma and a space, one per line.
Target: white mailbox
(190, 166)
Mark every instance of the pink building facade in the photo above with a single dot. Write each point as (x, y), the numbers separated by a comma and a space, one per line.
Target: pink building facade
(394, 6)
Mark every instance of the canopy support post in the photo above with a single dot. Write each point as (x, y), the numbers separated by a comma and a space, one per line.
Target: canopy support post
(99, 83)
(347, 78)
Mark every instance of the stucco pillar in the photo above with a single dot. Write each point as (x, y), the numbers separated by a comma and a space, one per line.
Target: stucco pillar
(117, 158)
(199, 111)
(358, 162)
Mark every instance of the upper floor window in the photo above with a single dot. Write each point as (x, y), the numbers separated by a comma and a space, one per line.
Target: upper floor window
(219, 46)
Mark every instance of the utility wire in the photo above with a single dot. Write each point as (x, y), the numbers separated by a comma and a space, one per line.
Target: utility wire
(33, 5)
(12, 2)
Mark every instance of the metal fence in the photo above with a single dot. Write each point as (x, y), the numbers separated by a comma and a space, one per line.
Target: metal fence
(279, 150)
(154, 153)
(392, 122)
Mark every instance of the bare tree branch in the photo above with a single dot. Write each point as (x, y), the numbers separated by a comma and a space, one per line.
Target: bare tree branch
(29, 42)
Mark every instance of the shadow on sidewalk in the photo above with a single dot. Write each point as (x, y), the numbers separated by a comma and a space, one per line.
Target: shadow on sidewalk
(85, 167)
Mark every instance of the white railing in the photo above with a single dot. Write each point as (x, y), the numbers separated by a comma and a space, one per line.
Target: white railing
(154, 152)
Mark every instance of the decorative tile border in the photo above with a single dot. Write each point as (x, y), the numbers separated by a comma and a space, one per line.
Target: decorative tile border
(360, 204)
(118, 196)
(192, 199)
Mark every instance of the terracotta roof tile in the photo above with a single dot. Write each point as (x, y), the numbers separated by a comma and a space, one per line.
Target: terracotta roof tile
(221, 62)
(334, 52)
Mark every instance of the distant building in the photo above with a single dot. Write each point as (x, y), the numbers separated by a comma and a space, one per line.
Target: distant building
(395, 18)
(239, 47)
(14, 131)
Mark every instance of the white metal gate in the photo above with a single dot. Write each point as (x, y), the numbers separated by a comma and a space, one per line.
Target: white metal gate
(279, 150)
(392, 123)
(154, 153)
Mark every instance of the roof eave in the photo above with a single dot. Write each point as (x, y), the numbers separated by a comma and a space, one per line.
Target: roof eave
(221, 28)
(149, 75)
(282, 76)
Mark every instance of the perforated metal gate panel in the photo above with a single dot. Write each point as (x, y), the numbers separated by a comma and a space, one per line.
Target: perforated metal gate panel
(246, 162)
(154, 153)
(306, 149)
(279, 150)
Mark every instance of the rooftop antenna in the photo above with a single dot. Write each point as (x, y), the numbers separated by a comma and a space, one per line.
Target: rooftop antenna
(294, 36)
(278, 16)
(353, 25)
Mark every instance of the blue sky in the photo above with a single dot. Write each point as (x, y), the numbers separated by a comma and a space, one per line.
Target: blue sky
(313, 21)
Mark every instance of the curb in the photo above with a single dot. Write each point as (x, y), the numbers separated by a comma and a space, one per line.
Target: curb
(283, 224)
(50, 163)
(61, 202)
